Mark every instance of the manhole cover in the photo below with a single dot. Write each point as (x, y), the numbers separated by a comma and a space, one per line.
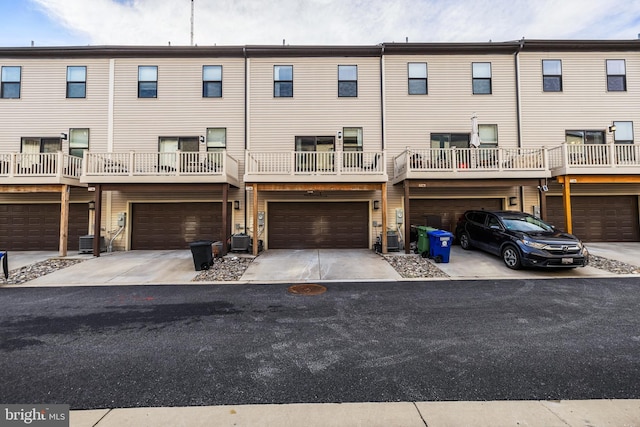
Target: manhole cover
(308, 289)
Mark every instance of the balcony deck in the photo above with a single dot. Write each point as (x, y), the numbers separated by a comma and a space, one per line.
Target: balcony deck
(470, 163)
(315, 166)
(134, 167)
(595, 159)
(39, 169)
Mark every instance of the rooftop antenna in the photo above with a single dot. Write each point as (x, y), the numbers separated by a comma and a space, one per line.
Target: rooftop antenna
(191, 22)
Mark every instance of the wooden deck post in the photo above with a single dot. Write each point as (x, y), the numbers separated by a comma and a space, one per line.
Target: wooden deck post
(64, 219)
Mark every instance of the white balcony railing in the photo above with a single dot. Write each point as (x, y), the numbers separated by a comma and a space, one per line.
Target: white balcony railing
(470, 162)
(17, 166)
(595, 158)
(315, 165)
(134, 166)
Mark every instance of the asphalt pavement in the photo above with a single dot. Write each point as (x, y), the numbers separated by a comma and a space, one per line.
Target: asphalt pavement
(373, 350)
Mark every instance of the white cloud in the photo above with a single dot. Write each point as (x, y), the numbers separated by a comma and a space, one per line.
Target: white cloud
(239, 22)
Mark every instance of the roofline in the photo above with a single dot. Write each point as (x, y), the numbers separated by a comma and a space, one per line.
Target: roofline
(507, 47)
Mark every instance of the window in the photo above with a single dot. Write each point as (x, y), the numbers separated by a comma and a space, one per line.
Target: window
(283, 81)
(40, 145)
(78, 142)
(481, 78)
(417, 78)
(488, 135)
(212, 81)
(623, 133)
(169, 144)
(352, 139)
(584, 137)
(314, 153)
(147, 82)
(76, 82)
(450, 140)
(10, 82)
(216, 139)
(552, 75)
(347, 80)
(616, 75)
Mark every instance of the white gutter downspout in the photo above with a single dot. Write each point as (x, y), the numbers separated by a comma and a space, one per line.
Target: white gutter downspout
(518, 108)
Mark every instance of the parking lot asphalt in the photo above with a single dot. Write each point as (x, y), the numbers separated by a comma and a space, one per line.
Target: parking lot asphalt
(176, 267)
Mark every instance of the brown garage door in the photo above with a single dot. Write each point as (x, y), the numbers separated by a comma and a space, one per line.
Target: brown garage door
(314, 225)
(36, 227)
(174, 225)
(447, 211)
(598, 218)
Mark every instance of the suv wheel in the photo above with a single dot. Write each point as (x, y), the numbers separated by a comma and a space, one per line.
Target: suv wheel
(465, 242)
(511, 257)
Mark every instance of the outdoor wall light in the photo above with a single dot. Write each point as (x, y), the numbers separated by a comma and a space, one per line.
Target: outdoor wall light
(63, 136)
(612, 128)
(92, 205)
(376, 204)
(513, 201)
(236, 204)
(201, 139)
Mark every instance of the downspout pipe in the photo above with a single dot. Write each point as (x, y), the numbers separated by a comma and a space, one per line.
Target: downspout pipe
(246, 124)
(516, 59)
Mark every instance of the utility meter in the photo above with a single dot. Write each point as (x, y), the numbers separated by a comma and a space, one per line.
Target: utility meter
(122, 219)
(261, 218)
(399, 216)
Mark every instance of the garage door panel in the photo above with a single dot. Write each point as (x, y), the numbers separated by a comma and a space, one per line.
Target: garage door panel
(598, 218)
(318, 225)
(30, 227)
(448, 210)
(156, 226)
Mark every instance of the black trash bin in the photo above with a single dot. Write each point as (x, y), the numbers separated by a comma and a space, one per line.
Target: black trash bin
(202, 254)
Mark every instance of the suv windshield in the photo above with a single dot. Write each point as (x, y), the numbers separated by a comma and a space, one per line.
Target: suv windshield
(526, 224)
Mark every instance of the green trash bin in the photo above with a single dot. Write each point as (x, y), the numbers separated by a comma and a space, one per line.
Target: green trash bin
(423, 239)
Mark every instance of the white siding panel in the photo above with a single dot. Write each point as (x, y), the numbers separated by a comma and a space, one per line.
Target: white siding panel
(583, 104)
(315, 108)
(450, 103)
(43, 109)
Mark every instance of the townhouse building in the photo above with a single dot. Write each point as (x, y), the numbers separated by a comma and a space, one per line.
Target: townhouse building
(313, 146)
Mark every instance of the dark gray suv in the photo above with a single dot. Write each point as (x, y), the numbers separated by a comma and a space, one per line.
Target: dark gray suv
(521, 239)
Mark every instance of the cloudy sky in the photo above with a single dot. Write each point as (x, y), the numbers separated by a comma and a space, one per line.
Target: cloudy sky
(303, 22)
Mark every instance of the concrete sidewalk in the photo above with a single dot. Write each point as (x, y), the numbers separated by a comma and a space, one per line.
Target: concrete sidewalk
(578, 413)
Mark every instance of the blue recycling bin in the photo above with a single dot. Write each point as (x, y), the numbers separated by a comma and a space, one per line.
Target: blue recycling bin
(440, 245)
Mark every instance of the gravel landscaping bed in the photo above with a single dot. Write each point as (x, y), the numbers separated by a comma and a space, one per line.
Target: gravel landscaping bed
(225, 269)
(33, 271)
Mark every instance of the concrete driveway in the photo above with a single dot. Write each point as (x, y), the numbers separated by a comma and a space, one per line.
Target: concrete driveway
(308, 265)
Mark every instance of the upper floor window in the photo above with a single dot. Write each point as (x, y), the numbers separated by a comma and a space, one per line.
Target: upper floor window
(623, 133)
(488, 135)
(352, 139)
(76, 82)
(616, 75)
(450, 140)
(147, 81)
(212, 81)
(283, 81)
(216, 139)
(10, 86)
(347, 80)
(417, 78)
(78, 141)
(584, 137)
(552, 75)
(40, 145)
(481, 78)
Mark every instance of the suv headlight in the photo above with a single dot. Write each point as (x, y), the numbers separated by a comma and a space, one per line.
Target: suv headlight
(533, 244)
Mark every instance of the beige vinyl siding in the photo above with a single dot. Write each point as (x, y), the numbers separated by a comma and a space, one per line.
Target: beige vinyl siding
(43, 109)
(450, 103)
(179, 109)
(315, 108)
(583, 104)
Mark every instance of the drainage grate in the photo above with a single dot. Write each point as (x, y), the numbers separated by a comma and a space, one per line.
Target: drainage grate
(307, 289)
